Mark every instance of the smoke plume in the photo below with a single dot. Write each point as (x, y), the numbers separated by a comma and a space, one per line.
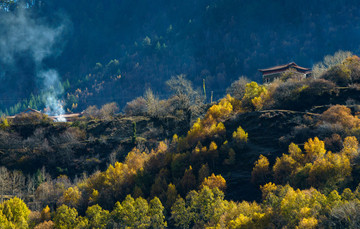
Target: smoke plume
(52, 93)
(20, 33)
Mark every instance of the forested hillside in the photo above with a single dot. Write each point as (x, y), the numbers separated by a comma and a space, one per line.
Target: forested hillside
(169, 133)
(284, 154)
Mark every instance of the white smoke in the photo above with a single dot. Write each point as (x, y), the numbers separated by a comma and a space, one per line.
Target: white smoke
(21, 33)
(54, 89)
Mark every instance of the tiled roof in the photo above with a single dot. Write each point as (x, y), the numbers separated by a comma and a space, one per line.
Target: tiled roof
(292, 64)
(30, 109)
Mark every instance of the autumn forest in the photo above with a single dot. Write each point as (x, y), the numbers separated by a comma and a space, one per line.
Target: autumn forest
(198, 146)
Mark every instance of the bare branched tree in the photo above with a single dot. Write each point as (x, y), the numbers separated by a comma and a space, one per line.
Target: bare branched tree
(237, 88)
(108, 111)
(136, 107)
(346, 215)
(328, 62)
(153, 104)
(4, 181)
(17, 184)
(183, 89)
(185, 96)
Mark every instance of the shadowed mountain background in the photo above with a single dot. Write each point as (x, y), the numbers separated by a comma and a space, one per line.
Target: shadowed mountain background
(114, 50)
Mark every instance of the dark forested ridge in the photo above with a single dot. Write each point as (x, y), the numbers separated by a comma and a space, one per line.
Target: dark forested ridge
(141, 44)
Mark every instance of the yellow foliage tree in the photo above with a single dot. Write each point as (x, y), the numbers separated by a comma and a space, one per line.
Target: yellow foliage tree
(245, 215)
(45, 214)
(213, 146)
(329, 171)
(350, 147)
(156, 213)
(255, 96)
(66, 218)
(348, 195)
(221, 110)
(94, 196)
(16, 213)
(314, 149)
(119, 174)
(307, 223)
(294, 205)
(295, 153)
(240, 136)
(175, 139)
(162, 147)
(203, 208)
(214, 182)
(241, 221)
(290, 206)
(117, 178)
(317, 168)
(171, 195)
(195, 134)
(71, 196)
(283, 168)
(218, 129)
(267, 190)
(211, 125)
(261, 172)
(4, 124)
(135, 159)
(98, 218)
(333, 199)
